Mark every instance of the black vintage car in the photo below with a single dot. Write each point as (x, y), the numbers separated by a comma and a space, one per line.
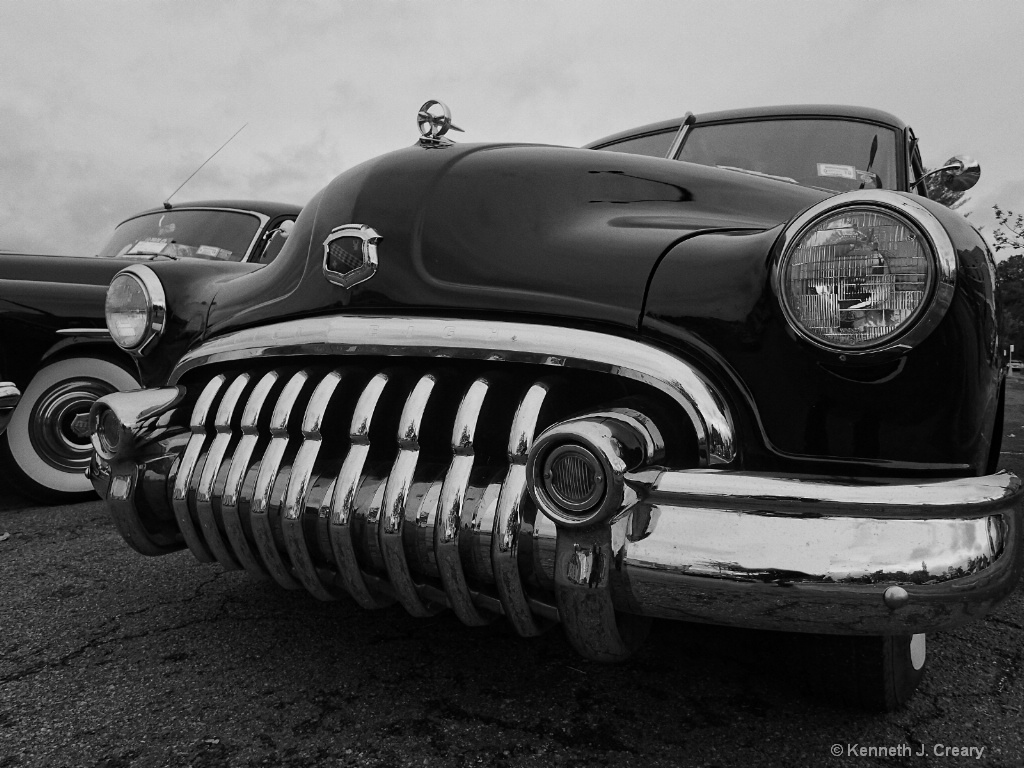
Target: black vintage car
(733, 368)
(55, 351)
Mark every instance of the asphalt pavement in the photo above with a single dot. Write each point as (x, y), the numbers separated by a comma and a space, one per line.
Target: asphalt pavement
(109, 659)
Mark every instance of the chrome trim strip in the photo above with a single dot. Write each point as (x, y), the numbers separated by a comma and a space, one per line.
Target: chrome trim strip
(294, 505)
(490, 340)
(509, 516)
(346, 488)
(222, 440)
(397, 497)
(237, 470)
(920, 218)
(98, 332)
(187, 465)
(966, 496)
(453, 499)
(270, 466)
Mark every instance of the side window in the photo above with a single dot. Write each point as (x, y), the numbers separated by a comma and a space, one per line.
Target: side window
(274, 240)
(651, 145)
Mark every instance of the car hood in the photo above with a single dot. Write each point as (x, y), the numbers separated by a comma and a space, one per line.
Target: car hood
(516, 229)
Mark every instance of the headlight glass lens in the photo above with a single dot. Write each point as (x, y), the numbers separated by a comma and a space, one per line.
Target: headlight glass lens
(128, 311)
(857, 278)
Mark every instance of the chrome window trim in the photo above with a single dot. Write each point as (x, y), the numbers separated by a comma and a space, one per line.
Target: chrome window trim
(157, 301)
(903, 206)
(490, 340)
(368, 268)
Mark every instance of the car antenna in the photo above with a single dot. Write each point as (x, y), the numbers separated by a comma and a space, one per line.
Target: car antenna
(167, 202)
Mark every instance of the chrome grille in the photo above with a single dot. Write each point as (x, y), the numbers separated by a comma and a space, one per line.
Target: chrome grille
(304, 475)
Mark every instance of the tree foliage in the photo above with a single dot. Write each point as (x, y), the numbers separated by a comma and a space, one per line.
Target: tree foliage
(1010, 295)
(1009, 235)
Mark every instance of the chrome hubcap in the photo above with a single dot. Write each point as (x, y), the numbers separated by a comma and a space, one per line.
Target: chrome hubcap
(59, 423)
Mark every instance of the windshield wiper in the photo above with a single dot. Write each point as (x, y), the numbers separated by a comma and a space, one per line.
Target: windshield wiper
(871, 159)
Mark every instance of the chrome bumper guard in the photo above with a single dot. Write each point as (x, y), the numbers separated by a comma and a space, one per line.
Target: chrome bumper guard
(9, 397)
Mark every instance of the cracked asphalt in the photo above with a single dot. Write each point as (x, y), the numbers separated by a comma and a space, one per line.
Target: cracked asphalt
(111, 659)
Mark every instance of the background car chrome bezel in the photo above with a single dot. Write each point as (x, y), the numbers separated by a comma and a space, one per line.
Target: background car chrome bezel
(360, 274)
(156, 301)
(917, 217)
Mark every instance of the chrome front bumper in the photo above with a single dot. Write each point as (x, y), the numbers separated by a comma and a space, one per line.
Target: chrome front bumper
(722, 547)
(276, 469)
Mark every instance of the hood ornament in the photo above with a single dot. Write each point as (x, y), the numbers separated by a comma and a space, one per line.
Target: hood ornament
(435, 120)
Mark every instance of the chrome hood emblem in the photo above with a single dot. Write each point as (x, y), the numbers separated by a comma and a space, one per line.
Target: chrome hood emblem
(350, 254)
(435, 120)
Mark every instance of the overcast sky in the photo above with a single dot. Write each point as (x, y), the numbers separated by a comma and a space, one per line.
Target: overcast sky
(105, 107)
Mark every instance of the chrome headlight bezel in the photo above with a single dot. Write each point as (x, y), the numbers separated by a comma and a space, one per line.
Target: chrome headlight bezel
(906, 210)
(156, 308)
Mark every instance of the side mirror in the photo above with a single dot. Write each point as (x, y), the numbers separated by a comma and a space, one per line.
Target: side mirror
(959, 174)
(286, 227)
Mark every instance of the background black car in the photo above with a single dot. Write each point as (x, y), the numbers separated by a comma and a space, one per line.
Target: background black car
(55, 351)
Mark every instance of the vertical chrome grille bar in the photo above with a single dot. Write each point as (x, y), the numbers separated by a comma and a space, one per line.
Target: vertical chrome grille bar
(186, 468)
(545, 539)
(214, 460)
(294, 503)
(270, 466)
(509, 516)
(350, 477)
(396, 496)
(453, 496)
(255, 406)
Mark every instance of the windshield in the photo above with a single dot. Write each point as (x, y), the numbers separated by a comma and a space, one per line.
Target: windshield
(222, 235)
(837, 155)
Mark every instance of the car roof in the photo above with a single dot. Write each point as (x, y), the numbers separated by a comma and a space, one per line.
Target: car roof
(266, 207)
(757, 113)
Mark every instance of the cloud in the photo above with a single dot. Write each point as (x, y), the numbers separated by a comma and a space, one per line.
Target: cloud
(108, 105)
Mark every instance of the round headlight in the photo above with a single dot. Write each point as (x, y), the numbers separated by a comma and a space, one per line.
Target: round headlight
(859, 277)
(135, 308)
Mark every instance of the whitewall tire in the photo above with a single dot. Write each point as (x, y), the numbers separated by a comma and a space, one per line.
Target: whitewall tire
(46, 446)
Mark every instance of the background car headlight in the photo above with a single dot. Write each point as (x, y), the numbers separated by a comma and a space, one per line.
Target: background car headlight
(858, 277)
(135, 308)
